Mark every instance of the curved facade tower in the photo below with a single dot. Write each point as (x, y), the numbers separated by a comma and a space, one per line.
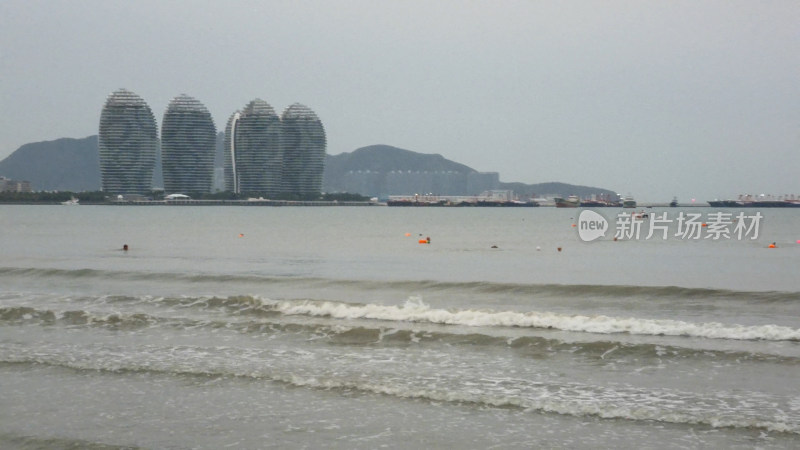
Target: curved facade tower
(258, 151)
(188, 140)
(127, 144)
(303, 150)
(231, 180)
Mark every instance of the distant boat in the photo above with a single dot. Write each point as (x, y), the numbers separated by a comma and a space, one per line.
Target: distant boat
(628, 202)
(177, 197)
(570, 202)
(509, 204)
(761, 201)
(674, 202)
(600, 203)
(71, 202)
(593, 203)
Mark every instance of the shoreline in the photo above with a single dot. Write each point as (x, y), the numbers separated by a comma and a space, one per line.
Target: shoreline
(318, 203)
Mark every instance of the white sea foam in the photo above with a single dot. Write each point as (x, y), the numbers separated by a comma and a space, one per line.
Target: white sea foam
(574, 401)
(297, 368)
(415, 310)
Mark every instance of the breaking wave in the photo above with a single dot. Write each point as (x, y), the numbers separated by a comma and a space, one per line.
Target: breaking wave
(414, 310)
(393, 334)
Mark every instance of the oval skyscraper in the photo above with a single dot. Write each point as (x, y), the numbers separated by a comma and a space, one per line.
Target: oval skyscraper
(257, 149)
(127, 144)
(188, 140)
(303, 150)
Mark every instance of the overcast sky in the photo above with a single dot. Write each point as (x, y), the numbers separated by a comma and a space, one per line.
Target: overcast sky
(699, 99)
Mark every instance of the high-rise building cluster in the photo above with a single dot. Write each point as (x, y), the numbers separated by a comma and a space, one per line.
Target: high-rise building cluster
(263, 153)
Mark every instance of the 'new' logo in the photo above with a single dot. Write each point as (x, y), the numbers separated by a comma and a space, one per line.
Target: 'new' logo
(591, 225)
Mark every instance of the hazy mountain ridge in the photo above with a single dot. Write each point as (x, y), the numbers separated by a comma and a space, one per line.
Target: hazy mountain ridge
(65, 164)
(381, 160)
(69, 164)
(385, 158)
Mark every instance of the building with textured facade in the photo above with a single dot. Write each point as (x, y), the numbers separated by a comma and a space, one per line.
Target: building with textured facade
(303, 150)
(188, 139)
(9, 185)
(229, 165)
(256, 150)
(127, 144)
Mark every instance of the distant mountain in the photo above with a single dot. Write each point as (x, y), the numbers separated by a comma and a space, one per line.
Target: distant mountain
(385, 158)
(65, 164)
(381, 170)
(554, 189)
(377, 170)
(61, 165)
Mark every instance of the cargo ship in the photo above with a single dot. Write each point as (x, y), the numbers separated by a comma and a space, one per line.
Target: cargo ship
(570, 202)
(760, 201)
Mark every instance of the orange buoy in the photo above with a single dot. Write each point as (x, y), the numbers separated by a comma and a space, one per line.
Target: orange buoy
(408, 234)
(423, 241)
(241, 234)
(772, 245)
(705, 225)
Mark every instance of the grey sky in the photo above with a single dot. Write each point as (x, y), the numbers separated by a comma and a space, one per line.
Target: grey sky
(699, 99)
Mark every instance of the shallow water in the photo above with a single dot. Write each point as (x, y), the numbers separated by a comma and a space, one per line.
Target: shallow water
(258, 327)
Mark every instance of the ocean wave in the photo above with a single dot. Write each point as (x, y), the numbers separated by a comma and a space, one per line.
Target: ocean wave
(570, 400)
(746, 410)
(527, 290)
(415, 310)
(537, 347)
(26, 314)
(14, 441)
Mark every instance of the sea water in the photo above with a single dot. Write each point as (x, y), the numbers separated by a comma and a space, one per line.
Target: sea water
(333, 327)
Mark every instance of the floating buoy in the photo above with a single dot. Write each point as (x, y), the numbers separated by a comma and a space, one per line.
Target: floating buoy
(125, 247)
(494, 246)
(773, 245)
(241, 234)
(408, 234)
(559, 248)
(573, 225)
(705, 225)
(538, 249)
